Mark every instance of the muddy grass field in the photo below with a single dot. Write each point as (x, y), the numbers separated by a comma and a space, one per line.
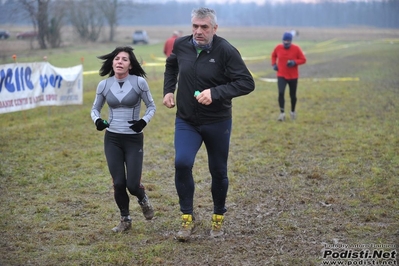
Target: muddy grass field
(321, 186)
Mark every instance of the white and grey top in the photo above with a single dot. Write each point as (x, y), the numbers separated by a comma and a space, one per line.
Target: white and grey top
(123, 97)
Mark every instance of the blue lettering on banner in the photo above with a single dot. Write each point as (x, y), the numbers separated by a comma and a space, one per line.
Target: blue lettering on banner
(22, 79)
(52, 80)
(19, 79)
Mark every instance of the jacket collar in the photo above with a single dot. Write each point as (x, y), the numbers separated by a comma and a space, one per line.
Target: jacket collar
(206, 47)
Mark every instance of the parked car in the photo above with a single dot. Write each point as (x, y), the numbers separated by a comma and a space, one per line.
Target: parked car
(4, 34)
(140, 36)
(27, 35)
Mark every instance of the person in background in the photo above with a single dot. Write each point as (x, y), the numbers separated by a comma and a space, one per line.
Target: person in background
(294, 33)
(211, 73)
(168, 47)
(285, 59)
(123, 91)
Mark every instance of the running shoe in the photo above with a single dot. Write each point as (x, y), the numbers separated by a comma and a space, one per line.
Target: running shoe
(187, 227)
(146, 207)
(124, 225)
(281, 117)
(217, 223)
(293, 115)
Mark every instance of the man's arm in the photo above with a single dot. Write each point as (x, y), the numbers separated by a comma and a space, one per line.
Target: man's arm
(170, 74)
(169, 100)
(242, 82)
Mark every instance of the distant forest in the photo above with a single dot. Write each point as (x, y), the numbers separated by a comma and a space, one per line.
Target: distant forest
(327, 14)
(382, 14)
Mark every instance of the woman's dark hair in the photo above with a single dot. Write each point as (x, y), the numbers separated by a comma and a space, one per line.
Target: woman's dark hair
(106, 68)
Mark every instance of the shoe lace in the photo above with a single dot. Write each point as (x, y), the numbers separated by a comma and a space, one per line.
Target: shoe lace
(216, 225)
(145, 205)
(217, 222)
(187, 221)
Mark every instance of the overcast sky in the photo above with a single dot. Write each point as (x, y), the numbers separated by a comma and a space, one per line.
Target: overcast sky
(259, 2)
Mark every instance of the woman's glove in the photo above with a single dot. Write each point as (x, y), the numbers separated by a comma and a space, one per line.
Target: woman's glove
(275, 67)
(101, 124)
(137, 125)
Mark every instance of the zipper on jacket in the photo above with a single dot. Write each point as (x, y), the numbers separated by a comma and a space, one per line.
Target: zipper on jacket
(196, 115)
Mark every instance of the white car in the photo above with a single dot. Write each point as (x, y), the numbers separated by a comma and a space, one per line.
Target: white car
(140, 36)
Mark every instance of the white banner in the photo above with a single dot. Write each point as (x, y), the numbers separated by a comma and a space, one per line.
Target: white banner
(28, 85)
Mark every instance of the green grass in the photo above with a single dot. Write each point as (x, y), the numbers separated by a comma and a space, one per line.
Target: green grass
(332, 175)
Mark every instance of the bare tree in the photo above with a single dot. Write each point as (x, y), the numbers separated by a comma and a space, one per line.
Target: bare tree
(42, 19)
(30, 9)
(109, 9)
(48, 31)
(86, 17)
(56, 22)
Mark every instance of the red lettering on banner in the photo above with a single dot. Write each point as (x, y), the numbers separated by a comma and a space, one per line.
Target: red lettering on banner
(7, 103)
(51, 97)
(21, 101)
(39, 98)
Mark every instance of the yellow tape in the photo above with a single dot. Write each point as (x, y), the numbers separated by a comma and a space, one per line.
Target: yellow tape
(268, 79)
(328, 49)
(328, 42)
(144, 64)
(255, 58)
(158, 58)
(90, 72)
(332, 79)
(315, 79)
(152, 64)
(390, 40)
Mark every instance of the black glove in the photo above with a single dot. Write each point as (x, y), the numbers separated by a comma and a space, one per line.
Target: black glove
(275, 67)
(101, 124)
(137, 125)
(291, 63)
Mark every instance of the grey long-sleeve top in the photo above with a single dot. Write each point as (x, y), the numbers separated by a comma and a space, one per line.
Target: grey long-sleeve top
(123, 97)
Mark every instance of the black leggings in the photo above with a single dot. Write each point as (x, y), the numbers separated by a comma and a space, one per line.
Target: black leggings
(292, 84)
(125, 150)
(188, 140)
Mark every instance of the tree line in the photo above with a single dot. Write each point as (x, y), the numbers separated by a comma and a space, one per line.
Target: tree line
(90, 18)
(325, 13)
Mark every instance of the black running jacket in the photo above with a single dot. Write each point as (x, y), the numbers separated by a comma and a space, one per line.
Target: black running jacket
(219, 68)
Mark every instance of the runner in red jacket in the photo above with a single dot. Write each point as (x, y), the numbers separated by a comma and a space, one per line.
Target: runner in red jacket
(286, 58)
(168, 46)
